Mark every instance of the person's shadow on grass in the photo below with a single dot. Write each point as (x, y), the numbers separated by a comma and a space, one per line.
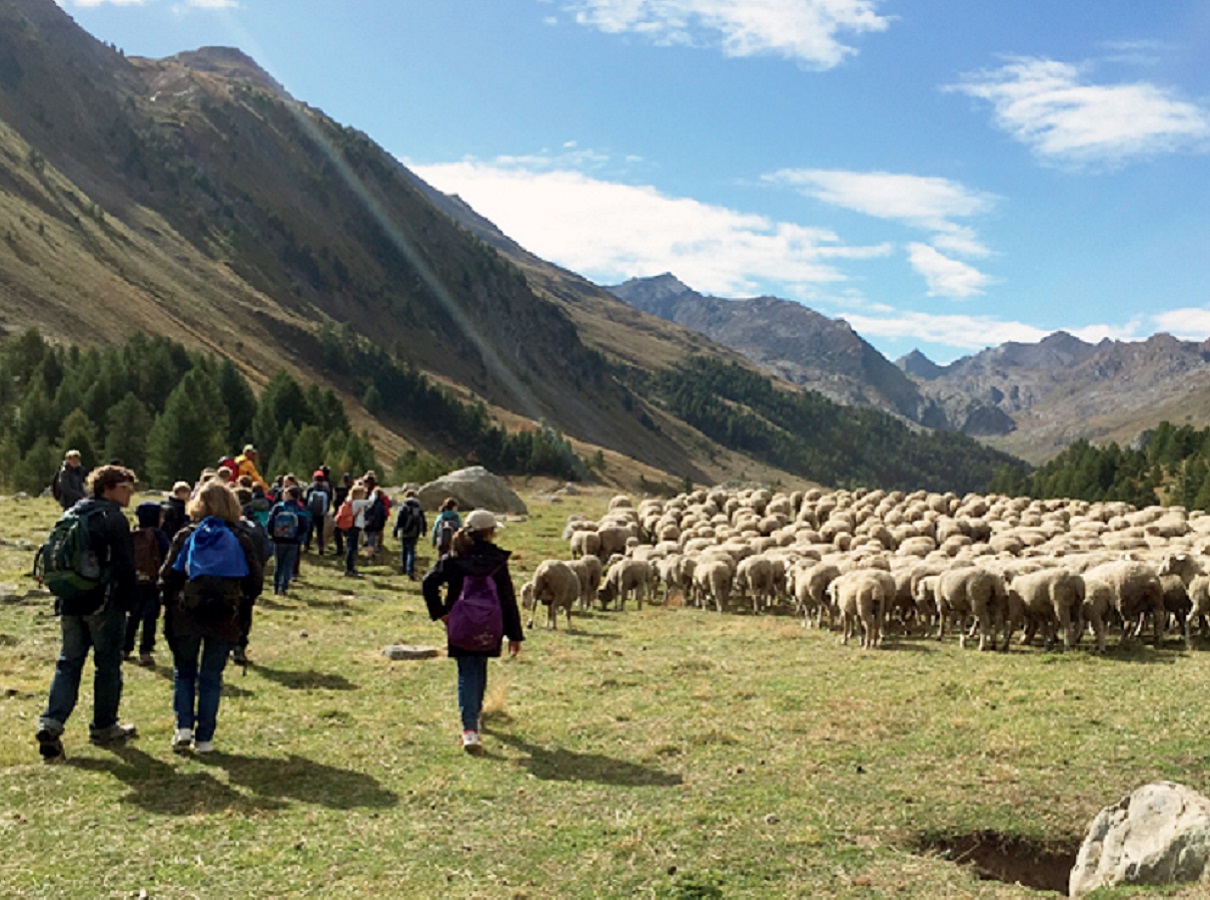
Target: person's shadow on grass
(305, 680)
(298, 778)
(160, 788)
(555, 764)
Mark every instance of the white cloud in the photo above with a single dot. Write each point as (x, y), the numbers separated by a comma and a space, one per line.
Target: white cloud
(609, 231)
(1191, 323)
(1049, 106)
(921, 201)
(945, 276)
(928, 203)
(966, 332)
(807, 31)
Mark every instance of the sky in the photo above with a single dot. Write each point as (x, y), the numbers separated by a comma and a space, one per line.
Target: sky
(943, 175)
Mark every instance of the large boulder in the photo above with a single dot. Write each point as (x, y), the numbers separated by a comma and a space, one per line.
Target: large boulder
(1158, 835)
(473, 488)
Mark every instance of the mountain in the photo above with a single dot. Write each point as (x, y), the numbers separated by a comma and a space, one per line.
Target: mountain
(796, 343)
(1062, 388)
(1028, 399)
(193, 197)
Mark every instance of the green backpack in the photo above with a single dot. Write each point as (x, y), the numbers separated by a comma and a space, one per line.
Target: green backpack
(67, 564)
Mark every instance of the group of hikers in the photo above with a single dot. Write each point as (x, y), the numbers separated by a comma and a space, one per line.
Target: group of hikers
(201, 555)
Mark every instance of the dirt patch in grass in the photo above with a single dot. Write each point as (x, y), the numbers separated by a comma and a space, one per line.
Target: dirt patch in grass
(1008, 858)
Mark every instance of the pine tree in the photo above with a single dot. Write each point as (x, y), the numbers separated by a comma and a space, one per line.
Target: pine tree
(190, 435)
(240, 400)
(306, 453)
(127, 428)
(79, 433)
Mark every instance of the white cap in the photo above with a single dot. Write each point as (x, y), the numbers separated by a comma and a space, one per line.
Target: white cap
(481, 520)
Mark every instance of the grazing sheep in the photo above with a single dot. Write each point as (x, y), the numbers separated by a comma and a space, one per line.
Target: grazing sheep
(589, 570)
(556, 586)
(625, 578)
(585, 543)
(1130, 588)
(712, 580)
(613, 540)
(972, 592)
(861, 596)
(1050, 598)
(754, 577)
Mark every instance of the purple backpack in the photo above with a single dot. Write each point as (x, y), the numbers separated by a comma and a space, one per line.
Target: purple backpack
(476, 622)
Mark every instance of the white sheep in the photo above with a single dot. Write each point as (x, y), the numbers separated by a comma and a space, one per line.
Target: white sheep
(556, 586)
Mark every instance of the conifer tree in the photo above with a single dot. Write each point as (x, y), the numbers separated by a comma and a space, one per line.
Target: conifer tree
(190, 434)
(36, 469)
(306, 452)
(241, 402)
(79, 433)
(126, 433)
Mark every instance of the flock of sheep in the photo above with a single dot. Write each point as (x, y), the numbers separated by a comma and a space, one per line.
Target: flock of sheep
(912, 563)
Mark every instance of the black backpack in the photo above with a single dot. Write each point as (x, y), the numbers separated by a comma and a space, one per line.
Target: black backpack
(375, 516)
(408, 525)
(445, 535)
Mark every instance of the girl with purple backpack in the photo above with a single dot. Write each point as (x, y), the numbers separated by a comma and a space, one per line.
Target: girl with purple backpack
(479, 611)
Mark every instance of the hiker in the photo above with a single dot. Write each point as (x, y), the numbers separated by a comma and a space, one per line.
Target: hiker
(350, 519)
(318, 499)
(95, 619)
(288, 525)
(68, 484)
(250, 525)
(211, 574)
(245, 464)
(375, 519)
(175, 517)
(479, 610)
(409, 525)
(339, 495)
(150, 547)
(447, 524)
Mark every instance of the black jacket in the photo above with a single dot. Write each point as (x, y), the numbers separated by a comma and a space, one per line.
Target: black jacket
(484, 559)
(68, 486)
(109, 535)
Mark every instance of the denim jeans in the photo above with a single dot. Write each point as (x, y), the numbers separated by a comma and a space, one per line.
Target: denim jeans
(196, 692)
(146, 612)
(285, 559)
(103, 633)
(407, 556)
(351, 536)
(472, 684)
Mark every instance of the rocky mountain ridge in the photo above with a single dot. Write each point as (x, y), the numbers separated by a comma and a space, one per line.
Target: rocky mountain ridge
(1030, 399)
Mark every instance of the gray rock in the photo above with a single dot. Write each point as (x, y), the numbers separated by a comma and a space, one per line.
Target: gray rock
(1158, 835)
(407, 651)
(473, 488)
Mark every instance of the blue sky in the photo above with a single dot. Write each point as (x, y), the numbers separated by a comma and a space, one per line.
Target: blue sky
(944, 175)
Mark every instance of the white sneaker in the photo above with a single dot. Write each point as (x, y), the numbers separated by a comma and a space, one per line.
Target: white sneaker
(470, 741)
(182, 739)
(203, 746)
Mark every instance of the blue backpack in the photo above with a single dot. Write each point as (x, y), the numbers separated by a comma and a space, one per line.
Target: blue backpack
(286, 525)
(476, 622)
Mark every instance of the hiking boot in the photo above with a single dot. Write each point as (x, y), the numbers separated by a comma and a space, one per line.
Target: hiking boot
(470, 741)
(182, 740)
(239, 656)
(203, 746)
(50, 745)
(115, 733)
(146, 659)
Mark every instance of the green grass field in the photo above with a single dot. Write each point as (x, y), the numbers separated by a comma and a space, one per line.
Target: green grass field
(665, 753)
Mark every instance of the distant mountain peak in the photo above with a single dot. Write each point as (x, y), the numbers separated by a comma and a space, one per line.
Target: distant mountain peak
(916, 363)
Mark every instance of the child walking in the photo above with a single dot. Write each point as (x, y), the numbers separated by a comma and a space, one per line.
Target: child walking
(479, 611)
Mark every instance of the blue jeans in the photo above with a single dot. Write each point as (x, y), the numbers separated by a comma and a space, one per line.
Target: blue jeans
(407, 556)
(201, 687)
(103, 632)
(351, 536)
(285, 558)
(472, 684)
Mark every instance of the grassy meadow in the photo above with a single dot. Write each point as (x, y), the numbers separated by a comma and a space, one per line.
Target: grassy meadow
(665, 753)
